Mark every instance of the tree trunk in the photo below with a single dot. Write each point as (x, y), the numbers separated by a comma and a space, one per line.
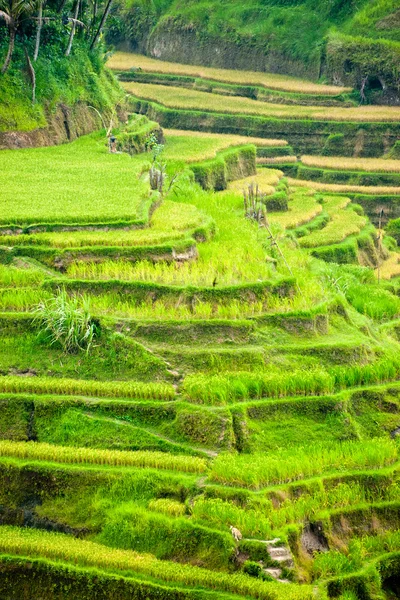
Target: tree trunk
(71, 37)
(11, 43)
(38, 31)
(94, 16)
(32, 74)
(102, 22)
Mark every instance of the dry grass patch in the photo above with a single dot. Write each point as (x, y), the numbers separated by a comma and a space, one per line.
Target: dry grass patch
(266, 179)
(277, 160)
(302, 209)
(124, 61)
(346, 189)
(193, 146)
(380, 165)
(186, 99)
(231, 139)
(390, 267)
(341, 225)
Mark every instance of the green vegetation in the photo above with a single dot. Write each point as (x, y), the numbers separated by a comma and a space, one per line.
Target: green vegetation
(199, 330)
(181, 98)
(39, 199)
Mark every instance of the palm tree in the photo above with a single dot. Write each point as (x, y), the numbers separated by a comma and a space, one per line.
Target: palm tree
(12, 12)
(38, 30)
(102, 22)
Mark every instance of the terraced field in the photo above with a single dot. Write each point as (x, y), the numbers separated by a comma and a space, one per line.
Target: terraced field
(193, 343)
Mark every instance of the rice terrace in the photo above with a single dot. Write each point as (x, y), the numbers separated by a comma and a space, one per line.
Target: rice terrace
(199, 300)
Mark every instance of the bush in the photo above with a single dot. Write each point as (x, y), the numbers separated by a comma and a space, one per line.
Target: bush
(277, 201)
(67, 322)
(252, 568)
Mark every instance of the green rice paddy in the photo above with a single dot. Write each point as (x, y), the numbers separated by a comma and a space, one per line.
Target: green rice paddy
(244, 372)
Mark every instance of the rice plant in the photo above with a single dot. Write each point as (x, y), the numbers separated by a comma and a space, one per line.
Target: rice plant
(260, 470)
(341, 163)
(125, 61)
(341, 225)
(59, 547)
(189, 99)
(12, 276)
(66, 321)
(339, 188)
(41, 187)
(110, 458)
(69, 387)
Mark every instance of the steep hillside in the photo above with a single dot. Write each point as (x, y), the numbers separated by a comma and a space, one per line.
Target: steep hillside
(349, 42)
(51, 74)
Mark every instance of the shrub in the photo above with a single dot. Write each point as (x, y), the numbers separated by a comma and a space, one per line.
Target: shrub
(67, 322)
(252, 568)
(277, 202)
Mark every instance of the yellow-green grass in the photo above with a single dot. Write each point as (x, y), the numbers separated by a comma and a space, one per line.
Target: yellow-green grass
(124, 61)
(342, 223)
(171, 221)
(60, 547)
(341, 163)
(346, 189)
(292, 464)
(193, 146)
(302, 209)
(389, 267)
(77, 182)
(186, 99)
(108, 389)
(112, 458)
(236, 254)
(22, 299)
(266, 179)
(13, 277)
(276, 160)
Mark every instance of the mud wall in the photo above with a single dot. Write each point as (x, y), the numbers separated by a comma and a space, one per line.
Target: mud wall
(65, 124)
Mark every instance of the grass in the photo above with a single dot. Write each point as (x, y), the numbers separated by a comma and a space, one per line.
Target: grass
(171, 221)
(159, 311)
(112, 458)
(254, 432)
(346, 189)
(182, 98)
(380, 165)
(108, 389)
(390, 267)
(19, 277)
(86, 553)
(257, 471)
(225, 269)
(277, 160)
(236, 254)
(23, 299)
(303, 207)
(276, 382)
(279, 506)
(41, 180)
(342, 223)
(123, 61)
(266, 179)
(195, 146)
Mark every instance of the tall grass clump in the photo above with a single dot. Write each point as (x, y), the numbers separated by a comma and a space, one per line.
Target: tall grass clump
(67, 322)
